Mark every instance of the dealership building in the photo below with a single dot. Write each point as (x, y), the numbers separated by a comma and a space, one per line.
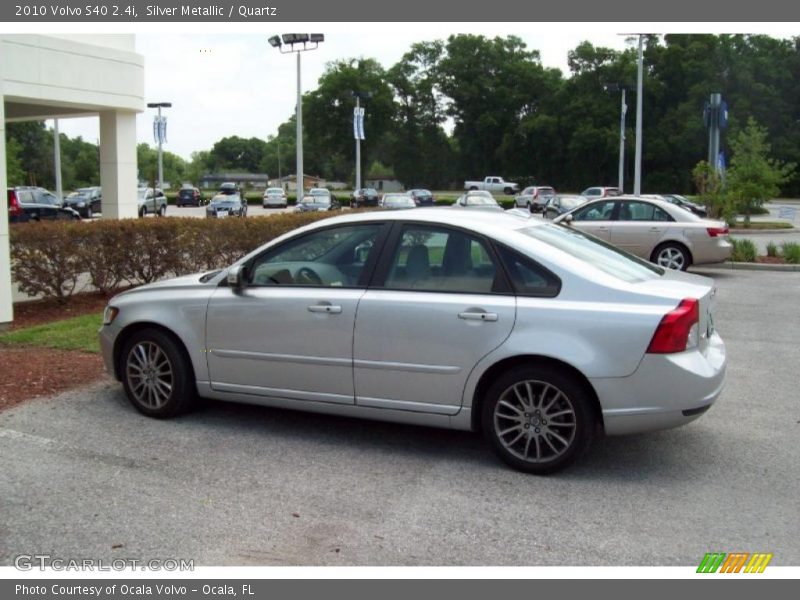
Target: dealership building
(62, 76)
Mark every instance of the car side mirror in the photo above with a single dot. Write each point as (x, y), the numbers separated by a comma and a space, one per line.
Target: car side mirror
(236, 277)
(568, 219)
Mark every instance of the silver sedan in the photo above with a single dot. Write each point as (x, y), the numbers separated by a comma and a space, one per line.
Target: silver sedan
(537, 334)
(654, 230)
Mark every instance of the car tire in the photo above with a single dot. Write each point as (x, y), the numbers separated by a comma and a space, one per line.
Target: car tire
(89, 213)
(142, 212)
(157, 375)
(162, 212)
(508, 191)
(671, 255)
(538, 419)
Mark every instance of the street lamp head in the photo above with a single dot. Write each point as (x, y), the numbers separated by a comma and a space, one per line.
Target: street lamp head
(159, 104)
(275, 41)
(317, 37)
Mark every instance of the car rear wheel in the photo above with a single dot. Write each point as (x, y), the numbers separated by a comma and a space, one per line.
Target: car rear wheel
(142, 212)
(671, 256)
(508, 191)
(157, 375)
(89, 213)
(162, 212)
(538, 419)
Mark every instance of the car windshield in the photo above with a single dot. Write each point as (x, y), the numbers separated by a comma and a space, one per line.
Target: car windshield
(480, 201)
(570, 202)
(320, 192)
(599, 254)
(315, 200)
(274, 191)
(398, 200)
(142, 193)
(222, 198)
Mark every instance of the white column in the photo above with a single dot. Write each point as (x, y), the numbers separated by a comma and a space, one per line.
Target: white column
(6, 306)
(118, 164)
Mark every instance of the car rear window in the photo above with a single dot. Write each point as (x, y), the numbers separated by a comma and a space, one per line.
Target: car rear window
(597, 253)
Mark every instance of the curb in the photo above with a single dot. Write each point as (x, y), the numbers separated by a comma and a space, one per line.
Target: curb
(762, 231)
(747, 266)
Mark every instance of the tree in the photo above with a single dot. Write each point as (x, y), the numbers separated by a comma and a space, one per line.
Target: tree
(753, 176)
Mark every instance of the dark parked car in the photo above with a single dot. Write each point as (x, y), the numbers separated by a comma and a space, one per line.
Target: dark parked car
(86, 201)
(189, 196)
(365, 197)
(684, 202)
(229, 188)
(422, 197)
(226, 205)
(317, 203)
(560, 204)
(36, 204)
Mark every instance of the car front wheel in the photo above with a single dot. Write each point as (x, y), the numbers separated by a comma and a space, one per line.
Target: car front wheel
(538, 419)
(157, 375)
(671, 256)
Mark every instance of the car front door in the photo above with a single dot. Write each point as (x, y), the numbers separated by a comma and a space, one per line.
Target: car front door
(595, 218)
(288, 332)
(638, 227)
(438, 304)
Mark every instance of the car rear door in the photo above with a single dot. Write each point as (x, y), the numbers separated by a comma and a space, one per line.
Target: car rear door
(438, 304)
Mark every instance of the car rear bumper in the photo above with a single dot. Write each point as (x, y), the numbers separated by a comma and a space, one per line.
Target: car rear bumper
(666, 390)
(716, 251)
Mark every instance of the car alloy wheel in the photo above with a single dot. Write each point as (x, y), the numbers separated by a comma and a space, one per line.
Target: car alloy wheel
(162, 212)
(157, 374)
(672, 257)
(538, 420)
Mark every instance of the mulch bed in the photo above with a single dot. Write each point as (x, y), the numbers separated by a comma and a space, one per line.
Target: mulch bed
(771, 260)
(33, 372)
(37, 312)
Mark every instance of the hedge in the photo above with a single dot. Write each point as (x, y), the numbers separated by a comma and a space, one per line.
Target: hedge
(51, 259)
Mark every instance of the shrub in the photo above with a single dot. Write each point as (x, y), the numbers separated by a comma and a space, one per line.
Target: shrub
(791, 252)
(744, 250)
(50, 259)
(772, 249)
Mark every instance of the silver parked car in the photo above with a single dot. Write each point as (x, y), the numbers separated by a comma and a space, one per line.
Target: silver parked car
(534, 197)
(397, 201)
(477, 200)
(151, 201)
(274, 197)
(655, 230)
(537, 334)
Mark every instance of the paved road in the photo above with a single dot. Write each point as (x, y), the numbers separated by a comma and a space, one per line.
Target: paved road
(83, 471)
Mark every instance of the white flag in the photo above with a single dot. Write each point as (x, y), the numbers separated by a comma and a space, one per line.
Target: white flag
(361, 124)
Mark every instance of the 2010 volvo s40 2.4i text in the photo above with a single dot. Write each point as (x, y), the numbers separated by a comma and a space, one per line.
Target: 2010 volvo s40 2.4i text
(537, 334)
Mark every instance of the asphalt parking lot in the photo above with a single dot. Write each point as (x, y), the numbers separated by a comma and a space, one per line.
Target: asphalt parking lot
(233, 484)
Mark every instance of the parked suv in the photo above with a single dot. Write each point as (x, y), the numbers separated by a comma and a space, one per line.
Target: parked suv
(151, 201)
(27, 203)
(86, 201)
(595, 192)
(534, 197)
(189, 196)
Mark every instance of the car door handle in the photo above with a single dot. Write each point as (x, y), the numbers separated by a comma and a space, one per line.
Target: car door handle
(325, 308)
(655, 229)
(477, 316)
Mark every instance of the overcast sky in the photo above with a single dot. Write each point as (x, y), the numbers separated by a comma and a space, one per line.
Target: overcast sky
(232, 83)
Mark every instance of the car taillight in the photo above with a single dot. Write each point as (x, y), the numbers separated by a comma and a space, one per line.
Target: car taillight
(14, 209)
(717, 231)
(678, 330)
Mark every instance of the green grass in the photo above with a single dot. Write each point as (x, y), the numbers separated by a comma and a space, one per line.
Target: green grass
(765, 225)
(791, 252)
(78, 333)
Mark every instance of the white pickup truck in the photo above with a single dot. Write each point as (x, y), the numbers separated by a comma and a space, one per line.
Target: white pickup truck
(493, 184)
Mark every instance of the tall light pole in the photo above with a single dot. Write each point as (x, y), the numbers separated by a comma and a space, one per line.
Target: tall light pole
(298, 42)
(623, 110)
(160, 131)
(637, 173)
(358, 131)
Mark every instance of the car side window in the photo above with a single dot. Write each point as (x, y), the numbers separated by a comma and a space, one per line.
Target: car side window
(528, 277)
(599, 211)
(641, 211)
(438, 259)
(333, 257)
